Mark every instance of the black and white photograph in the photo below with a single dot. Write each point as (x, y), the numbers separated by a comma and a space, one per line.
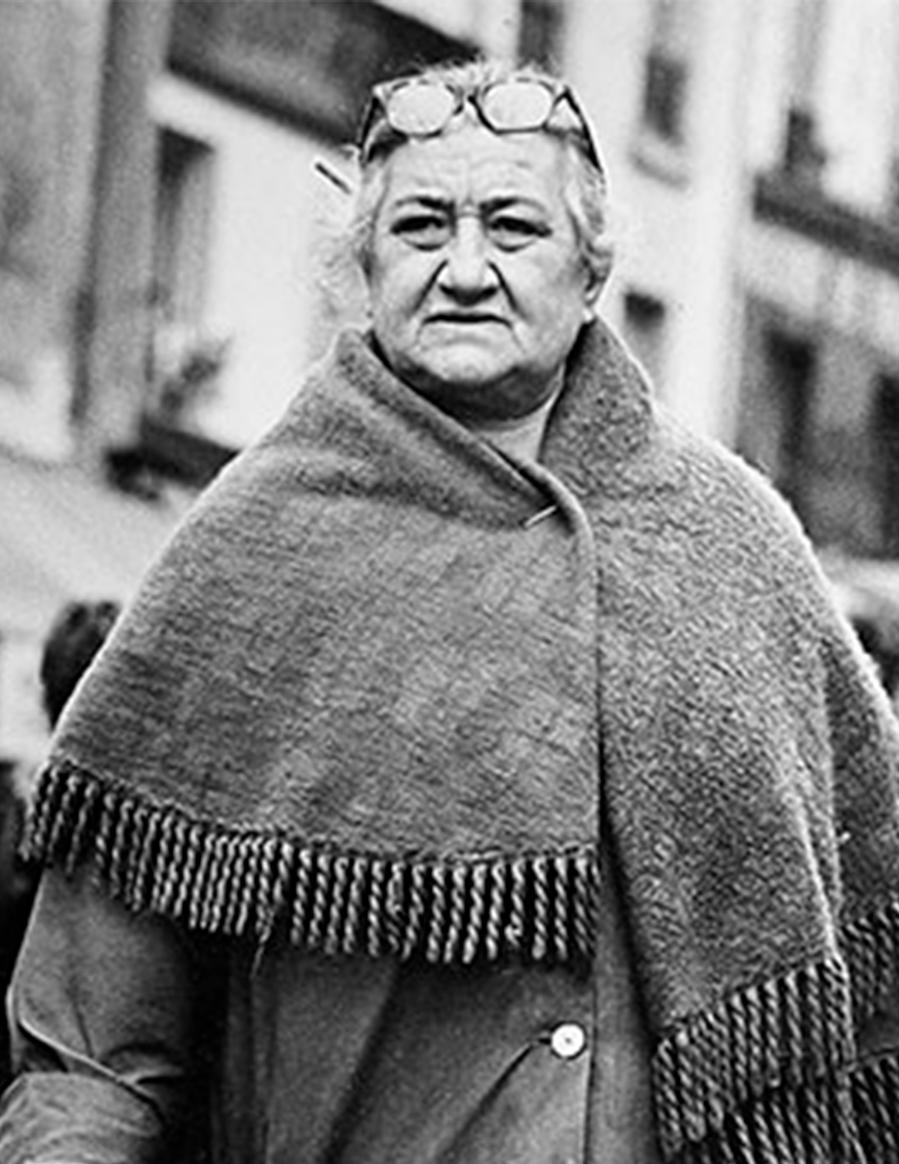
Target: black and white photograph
(449, 581)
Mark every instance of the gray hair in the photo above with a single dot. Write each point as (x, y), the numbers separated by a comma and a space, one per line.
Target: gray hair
(585, 189)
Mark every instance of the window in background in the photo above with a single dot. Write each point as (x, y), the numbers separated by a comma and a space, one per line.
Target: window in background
(803, 156)
(645, 331)
(183, 359)
(666, 88)
(892, 205)
(885, 428)
(540, 36)
(664, 94)
(182, 226)
(791, 373)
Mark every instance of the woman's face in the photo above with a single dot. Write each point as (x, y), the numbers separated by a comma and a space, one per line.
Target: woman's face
(477, 287)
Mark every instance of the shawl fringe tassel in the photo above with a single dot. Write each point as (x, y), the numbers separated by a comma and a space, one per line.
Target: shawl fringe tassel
(758, 1076)
(810, 1125)
(872, 952)
(533, 907)
(872, 949)
(770, 1074)
(875, 1093)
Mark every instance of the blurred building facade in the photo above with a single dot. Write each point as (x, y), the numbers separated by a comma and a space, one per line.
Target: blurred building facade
(77, 173)
(754, 147)
(47, 155)
(819, 386)
(170, 255)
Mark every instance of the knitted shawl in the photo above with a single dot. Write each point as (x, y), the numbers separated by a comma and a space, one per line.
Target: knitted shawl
(384, 683)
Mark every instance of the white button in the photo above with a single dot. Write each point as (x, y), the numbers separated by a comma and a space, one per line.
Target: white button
(568, 1040)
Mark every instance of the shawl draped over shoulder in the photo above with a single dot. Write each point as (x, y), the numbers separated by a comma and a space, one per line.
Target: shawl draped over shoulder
(384, 686)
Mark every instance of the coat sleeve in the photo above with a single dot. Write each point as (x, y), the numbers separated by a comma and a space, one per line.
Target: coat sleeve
(100, 1012)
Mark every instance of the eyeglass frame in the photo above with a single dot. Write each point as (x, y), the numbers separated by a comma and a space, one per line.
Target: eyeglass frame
(473, 95)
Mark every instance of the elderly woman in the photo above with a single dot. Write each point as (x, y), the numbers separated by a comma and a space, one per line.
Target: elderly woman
(482, 774)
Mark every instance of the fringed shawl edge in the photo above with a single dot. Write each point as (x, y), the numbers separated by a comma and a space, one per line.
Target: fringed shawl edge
(533, 907)
(771, 1072)
(875, 1097)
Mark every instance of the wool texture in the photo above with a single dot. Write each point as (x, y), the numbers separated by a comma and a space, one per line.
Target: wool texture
(383, 682)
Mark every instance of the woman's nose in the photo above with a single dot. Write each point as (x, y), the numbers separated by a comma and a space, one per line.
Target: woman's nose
(467, 268)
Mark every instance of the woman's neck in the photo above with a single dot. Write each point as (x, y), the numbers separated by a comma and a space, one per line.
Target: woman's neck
(520, 436)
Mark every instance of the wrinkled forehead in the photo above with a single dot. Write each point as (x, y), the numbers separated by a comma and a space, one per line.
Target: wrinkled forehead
(469, 163)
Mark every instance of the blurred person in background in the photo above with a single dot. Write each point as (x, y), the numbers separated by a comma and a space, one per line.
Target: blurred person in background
(17, 882)
(77, 633)
(75, 636)
(483, 774)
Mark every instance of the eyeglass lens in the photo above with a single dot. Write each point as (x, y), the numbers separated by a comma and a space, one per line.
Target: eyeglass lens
(420, 108)
(512, 105)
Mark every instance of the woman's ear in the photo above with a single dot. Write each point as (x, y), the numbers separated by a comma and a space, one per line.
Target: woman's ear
(598, 271)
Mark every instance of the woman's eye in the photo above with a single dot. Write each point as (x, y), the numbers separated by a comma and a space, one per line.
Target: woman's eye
(509, 232)
(425, 231)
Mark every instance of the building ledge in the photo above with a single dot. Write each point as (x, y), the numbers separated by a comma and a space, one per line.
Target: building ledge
(802, 207)
(163, 455)
(308, 65)
(188, 457)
